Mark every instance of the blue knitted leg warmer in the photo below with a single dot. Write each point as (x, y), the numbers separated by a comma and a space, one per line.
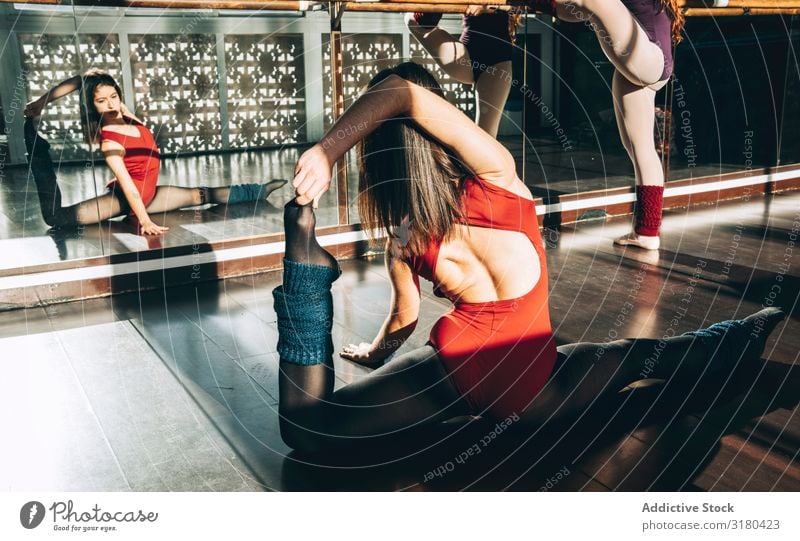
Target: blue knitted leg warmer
(242, 193)
(305, 313)
(726, 342)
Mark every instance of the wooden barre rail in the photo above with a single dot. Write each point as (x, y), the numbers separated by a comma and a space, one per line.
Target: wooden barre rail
(692, 8)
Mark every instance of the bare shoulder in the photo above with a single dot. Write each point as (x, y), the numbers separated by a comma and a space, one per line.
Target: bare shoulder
(516, 186)
(107, 146)
(511, 183)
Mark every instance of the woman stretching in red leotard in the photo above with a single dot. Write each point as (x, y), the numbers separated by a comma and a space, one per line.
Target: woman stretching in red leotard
(454, 210)
(131, 154)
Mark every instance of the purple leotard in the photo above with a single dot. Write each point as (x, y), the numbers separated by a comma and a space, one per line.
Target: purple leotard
(657, 24)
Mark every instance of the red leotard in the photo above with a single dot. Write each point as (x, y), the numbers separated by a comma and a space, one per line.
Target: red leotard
(142, 159)
(498, 354)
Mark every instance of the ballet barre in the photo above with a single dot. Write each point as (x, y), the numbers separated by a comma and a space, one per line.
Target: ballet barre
(691, 8)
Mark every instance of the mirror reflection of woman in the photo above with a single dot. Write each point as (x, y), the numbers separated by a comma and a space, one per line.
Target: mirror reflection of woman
(637, 37)
(480, 56)
(132, 155)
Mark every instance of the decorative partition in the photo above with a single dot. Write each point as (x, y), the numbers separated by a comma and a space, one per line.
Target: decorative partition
(266, 89)
(49, 58)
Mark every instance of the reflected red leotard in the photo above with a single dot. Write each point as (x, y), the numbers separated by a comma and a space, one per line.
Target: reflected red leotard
(498, 354)
(142, 159)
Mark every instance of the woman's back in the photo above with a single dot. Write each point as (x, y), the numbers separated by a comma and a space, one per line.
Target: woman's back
(494, 255)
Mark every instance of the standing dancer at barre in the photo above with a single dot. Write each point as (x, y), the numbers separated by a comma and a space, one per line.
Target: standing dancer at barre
(132, 155)
(447, 196)
(480, 56)
(637, 37)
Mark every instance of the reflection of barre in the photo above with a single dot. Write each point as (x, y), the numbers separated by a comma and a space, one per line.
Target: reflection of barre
(738, 12)
(744, 4)
(690, 7)
(396, 7)
(277, 5)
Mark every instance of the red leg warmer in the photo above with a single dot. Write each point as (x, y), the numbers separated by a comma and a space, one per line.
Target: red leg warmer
(649, 200)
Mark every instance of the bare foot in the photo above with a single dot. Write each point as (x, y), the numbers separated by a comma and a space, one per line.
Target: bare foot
(640, 241)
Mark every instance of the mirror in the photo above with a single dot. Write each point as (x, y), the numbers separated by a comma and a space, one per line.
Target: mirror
(233, 97)
(33, 60)
(789, 135)
(727, 96)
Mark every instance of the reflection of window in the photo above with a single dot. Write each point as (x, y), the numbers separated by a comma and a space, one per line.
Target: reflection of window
(364, 55)
(48, 59)
(266, 89)
(176, 88)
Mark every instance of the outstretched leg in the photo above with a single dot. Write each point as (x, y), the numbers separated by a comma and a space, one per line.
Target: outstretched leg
(177, 197)
(622, 39)
(406, 393)
(91, 211)
(242, 193)
(586, 372)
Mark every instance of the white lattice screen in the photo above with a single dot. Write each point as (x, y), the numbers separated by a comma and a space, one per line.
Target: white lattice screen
(176, 88)
(176, 83)
(364, 55)
(48, 59)
(266, 89)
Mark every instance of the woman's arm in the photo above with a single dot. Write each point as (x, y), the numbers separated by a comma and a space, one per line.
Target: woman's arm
(114, 153)
(402, 319)
(393, 97)
(34, 108)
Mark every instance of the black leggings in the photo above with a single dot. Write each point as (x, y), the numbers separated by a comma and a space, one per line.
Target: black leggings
(587, 372)
(413, 391)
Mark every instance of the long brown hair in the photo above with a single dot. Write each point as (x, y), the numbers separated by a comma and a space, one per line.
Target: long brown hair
(514, 17)
(678, 18)
(90, 118)
(409, 183)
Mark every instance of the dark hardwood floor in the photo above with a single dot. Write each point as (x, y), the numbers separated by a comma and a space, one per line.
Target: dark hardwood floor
(177, 389)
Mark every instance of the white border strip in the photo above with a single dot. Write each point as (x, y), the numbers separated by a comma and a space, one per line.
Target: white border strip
(163, 264)
(244, 252)
(668, 192)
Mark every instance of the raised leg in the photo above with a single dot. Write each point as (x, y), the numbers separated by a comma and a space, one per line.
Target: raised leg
(86, 212)
(622, 39)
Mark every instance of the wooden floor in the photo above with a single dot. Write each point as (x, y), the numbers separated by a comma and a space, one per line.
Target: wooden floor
(177, 389)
